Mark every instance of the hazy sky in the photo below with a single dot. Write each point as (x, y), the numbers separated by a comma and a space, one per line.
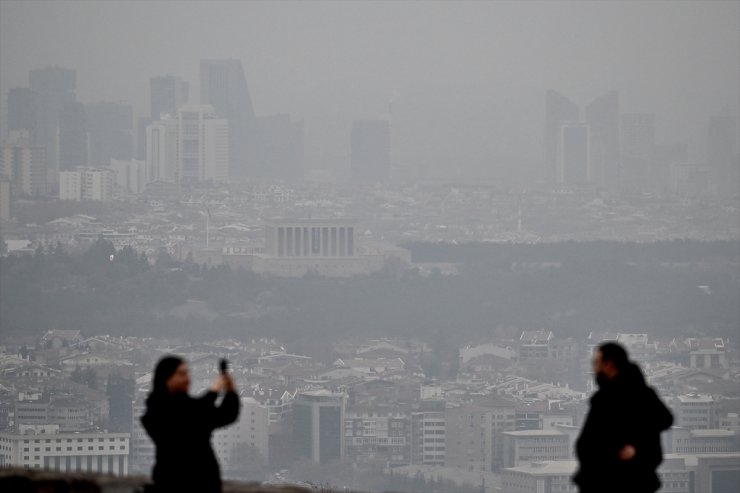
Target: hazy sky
(467, 79)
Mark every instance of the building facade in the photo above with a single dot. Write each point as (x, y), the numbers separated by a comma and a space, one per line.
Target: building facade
(318, 426)
(45, 447)
(378, 436)
(429, 433)
(87, 184)
(24, 165)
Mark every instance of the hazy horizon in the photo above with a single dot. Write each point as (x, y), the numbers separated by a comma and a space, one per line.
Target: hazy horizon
(467, 80)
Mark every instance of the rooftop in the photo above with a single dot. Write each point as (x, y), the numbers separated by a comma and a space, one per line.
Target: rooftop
(547, 468)
(20, 480)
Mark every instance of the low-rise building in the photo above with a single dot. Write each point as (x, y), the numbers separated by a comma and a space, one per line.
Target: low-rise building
(540, 477)
(45, 447)
(695, 411)
(521, 447)
(685, 441)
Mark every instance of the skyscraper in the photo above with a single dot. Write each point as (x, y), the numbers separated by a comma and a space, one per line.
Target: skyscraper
(558, 109)
(24, 165)
(141, 125)
(602, 115)
(161, 150)
(72, 136)
(278, 149)
(318, 426)
(110, 126)
(20, 109)
(722, 157)
(51, 88)
(4, 199)
(223, 85)
(574, 165)
(371, 151)
(202, 144)
(167, 94)
(637, 151)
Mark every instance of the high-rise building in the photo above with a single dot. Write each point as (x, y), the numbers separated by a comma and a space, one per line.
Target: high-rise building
(469, 436)
(110, 127)
(637, 151)
(4, 199)
(278, 149)
(20, 109)
(558, 109)
(233, 443)
(161, 151)
(141, 124)
(318, 426)
(167, 94)
(130, 175)
(87, 184)
(574, 166)
(602, 116)
(371, 151)
(224, 86)
(428, 433)
(377, 435)
(51, 87)
(203, 144)
(24, 165)
(72, 136)
(722, 157)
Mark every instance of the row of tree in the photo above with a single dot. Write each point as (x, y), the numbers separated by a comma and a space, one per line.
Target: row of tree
(120, 292)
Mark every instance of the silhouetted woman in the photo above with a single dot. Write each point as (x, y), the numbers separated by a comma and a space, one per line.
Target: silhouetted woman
(180, 427)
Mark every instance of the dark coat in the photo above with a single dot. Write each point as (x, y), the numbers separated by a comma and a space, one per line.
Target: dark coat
(624, 411)
(180, 427)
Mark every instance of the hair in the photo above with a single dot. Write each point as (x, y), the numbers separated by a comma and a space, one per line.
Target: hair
(615, 352)
(166, 367)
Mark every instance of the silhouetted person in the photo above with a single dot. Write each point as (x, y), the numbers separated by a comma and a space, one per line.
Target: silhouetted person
(181, 428)
(619, 446)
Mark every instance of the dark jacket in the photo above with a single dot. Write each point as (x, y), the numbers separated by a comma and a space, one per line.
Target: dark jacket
(180, 427)
(624, 411)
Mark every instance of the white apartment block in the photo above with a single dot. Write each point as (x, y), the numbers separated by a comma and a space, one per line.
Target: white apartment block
(86, 184)
(250, 430)
(25, 167)
(44, 447)
(522, 447)
(194, 146)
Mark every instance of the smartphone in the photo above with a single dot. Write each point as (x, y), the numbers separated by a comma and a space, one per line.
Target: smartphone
(223, 366)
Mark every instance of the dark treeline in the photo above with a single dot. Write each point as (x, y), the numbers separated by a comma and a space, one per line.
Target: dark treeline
(692, 289)
(575, 252)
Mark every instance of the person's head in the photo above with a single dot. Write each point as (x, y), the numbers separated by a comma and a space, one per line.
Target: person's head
(610, 359)
(171, 376)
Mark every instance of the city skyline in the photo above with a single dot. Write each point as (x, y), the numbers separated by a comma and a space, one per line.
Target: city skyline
(666, 88)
